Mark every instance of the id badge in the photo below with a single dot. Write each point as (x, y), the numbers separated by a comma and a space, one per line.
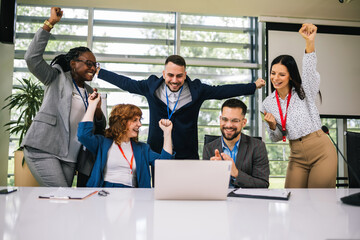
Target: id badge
(283, 131)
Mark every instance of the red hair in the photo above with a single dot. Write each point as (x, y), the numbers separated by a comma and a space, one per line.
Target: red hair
(119, 117)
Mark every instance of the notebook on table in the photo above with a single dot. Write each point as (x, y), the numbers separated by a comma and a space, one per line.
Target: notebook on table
(263, 193)
(191, 179)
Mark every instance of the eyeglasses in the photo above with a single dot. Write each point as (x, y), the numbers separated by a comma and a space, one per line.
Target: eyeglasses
(234, 120)
(103, 193)
(89, 63)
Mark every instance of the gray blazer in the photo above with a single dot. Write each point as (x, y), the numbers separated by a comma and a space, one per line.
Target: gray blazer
(251, 161)
(50, 129)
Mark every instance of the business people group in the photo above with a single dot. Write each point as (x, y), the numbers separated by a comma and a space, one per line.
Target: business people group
(70, 111)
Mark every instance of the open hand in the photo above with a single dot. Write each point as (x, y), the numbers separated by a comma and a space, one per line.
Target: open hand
(223, 156)
(217, 156)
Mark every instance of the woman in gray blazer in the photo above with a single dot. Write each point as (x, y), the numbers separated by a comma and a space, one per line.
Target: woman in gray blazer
(50, 145)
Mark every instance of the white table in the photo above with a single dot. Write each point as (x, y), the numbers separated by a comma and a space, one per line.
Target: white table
(134, 214)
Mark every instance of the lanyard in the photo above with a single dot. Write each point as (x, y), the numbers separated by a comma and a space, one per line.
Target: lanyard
(85, 99)
(283, 119)
(132, 157)
(167, 102)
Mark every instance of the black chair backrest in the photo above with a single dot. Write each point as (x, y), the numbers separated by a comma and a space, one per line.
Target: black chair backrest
(353, 158)
(209, 138)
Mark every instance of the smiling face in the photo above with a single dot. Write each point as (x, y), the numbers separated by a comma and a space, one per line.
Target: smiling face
(124, 123)
(280, 77)
(132, 128)
(231, 123)
(84, 67)
(174, 76)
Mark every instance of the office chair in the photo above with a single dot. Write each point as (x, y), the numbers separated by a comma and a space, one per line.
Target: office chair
(209, 138)
(353, 158)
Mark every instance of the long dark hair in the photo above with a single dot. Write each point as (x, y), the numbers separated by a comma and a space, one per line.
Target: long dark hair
(295, 78)
(64, 59)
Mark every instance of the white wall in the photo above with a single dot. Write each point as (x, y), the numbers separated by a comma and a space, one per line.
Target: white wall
(338, 66)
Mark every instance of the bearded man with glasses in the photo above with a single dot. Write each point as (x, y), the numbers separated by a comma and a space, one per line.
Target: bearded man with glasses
(250, 164)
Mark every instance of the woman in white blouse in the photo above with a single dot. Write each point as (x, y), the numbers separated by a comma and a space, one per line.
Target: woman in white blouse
(290, 112)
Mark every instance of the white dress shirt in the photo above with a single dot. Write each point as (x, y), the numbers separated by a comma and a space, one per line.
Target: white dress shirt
(185, 96)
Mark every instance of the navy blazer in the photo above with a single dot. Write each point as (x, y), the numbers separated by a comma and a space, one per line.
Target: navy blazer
(100, 145)
(185, 128)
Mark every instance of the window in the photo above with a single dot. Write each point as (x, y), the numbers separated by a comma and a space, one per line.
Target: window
(218, 50)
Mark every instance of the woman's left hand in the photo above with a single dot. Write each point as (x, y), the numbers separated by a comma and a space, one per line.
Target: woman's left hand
(308, 32)
(165, 125)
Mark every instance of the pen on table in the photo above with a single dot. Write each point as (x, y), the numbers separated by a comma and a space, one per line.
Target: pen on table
(59, 198)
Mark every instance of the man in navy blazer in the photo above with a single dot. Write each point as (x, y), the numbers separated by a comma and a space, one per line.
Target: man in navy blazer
(250, 164)
(176, 97)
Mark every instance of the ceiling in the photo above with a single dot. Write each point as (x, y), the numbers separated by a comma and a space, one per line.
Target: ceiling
(305, 9)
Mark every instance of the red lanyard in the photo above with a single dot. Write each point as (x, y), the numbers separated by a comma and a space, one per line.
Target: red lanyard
(132, 157)
(283, 119)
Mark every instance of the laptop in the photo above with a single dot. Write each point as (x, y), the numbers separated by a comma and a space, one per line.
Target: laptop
(191, 179)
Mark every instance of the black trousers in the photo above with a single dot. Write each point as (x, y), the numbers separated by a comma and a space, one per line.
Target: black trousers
(82, 180)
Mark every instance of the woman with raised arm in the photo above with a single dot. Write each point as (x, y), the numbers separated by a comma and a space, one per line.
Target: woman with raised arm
(121, 160)
(290, 112)
(50, 145)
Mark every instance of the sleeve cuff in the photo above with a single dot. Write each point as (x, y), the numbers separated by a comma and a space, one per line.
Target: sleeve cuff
(167, 155)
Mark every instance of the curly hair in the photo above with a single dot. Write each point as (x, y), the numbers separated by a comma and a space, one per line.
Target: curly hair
(64, 59)
(119, 117)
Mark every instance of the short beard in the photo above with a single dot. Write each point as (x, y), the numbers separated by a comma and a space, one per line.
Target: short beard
(232, 137)
(172, 90)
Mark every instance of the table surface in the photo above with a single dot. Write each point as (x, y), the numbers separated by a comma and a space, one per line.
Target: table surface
(134, 214)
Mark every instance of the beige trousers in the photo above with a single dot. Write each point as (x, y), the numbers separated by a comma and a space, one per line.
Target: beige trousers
(312, 162)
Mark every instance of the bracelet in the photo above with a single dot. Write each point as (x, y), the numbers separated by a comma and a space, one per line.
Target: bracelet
(47, 23)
